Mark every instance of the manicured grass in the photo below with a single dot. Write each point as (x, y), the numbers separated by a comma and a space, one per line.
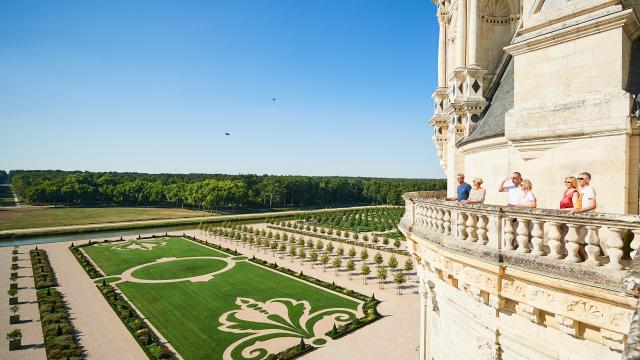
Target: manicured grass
(33, 217)
(114, 258)
(187, 313)
(179, 269)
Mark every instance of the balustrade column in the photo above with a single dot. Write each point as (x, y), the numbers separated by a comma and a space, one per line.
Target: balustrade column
(482, 230)
(572, 244)
(554, 240)
(593, 246)
(614, 249)
(471, 228)
(536, 238)
(447, 222)
(462, 232)
(426, 210)
(635, 243)
(523, 236)
(439, 222)
(508, 233)
(494, 232)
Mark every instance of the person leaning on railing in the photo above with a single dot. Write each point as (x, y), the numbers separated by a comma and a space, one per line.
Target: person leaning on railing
(528, 198)
(477, 193)
(571, 196)
(512, 188)
(587, 200)
(462, 191)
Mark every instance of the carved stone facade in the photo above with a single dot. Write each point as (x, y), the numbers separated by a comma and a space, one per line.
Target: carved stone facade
(541, 87)
(486, 295)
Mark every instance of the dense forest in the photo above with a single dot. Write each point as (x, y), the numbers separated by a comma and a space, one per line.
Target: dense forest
(4, 177)
(209, 191)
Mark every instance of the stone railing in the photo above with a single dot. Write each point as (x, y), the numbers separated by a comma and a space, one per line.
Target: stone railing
(594, 248)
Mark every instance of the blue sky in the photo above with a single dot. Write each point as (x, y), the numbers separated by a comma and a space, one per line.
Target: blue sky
(152, 86)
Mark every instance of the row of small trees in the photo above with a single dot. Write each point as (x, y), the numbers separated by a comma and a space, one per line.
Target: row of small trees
(318, 251)
(374, 238)
(369, 219)
(15, 335)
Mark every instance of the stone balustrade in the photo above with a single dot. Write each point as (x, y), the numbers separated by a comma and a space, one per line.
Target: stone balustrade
(595, 247)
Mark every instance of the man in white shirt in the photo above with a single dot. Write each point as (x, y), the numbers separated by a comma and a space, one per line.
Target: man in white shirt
(587, 198)
(512, 188)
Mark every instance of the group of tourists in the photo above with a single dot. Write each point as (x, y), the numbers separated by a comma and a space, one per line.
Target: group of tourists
(578, 196)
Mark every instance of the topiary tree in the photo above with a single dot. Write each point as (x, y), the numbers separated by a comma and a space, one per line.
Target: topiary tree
(377, 258)
(382, 276)
(337, 264)
(351, 266)
(364, 255)
(330, 247)
(324, 259)
(15, 338)
(399, 279)
(408, 265)
(352, 252)
(365, 271)
(393, 262)
(397, 243)
(313, 256)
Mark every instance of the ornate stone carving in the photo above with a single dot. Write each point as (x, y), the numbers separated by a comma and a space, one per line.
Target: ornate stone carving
(542, 296)
(585, 310)
(497, 12)
(514, 290)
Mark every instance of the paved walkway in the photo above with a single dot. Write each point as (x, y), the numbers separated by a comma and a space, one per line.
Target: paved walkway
(32, 340)
(101, 332)
(393, 337)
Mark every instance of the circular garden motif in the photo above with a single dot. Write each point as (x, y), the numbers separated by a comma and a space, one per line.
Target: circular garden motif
(182, 268)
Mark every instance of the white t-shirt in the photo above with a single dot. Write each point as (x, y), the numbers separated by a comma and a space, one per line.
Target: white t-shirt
(587, 194)
(514, 194)
(527, 198)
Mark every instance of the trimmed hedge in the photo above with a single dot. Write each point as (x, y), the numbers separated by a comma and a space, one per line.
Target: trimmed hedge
(59, 335)
(84, 262)
(145, 337)
(43, 274)
(331, 238)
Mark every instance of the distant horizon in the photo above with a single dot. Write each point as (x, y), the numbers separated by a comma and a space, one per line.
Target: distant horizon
(238, 174)
(250, 86)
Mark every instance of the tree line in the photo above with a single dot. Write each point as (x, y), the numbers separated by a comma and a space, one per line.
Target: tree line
(208, 191)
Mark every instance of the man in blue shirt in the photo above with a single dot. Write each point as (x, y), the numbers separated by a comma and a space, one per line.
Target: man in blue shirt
(462, 190)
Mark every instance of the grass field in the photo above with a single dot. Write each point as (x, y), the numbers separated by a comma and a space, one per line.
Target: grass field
(34, 217)
(247, 311)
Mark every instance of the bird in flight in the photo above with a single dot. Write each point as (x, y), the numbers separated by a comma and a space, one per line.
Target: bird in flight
(227, 134)
(274, 99)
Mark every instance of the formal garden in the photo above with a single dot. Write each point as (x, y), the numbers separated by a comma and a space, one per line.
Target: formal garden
(319, 249)
(208, 302)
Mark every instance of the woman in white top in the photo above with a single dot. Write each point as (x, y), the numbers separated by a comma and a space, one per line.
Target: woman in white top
(528, 198)
(477, 193)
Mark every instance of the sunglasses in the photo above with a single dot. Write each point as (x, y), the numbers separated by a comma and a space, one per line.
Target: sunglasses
(581, 178)
(567, 182)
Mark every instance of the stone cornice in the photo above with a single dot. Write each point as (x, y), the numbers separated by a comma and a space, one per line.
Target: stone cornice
(619, 19)
(484, 145)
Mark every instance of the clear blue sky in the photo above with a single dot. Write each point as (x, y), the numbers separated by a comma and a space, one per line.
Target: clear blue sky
(152, 86)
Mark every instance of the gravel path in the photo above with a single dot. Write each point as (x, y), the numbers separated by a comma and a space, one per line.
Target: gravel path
(32, 340)
(101, 332)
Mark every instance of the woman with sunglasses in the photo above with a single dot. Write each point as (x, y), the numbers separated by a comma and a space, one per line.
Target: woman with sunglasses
(571, 196)
(528, 198)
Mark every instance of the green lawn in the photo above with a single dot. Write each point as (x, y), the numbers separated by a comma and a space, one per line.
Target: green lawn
(172, 269)
(34, 217)
(259, 305)
(115, 258)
